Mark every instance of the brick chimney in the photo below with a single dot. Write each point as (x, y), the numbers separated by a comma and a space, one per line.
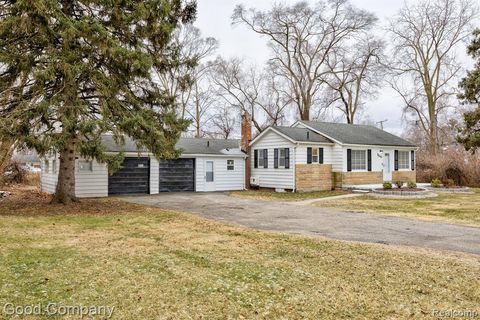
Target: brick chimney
(244, 144)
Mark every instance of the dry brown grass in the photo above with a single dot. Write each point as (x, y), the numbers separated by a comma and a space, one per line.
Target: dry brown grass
(285, 196)
(154, 264)
(454, 208)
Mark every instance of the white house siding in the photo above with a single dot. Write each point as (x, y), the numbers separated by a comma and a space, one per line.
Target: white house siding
(154, 175)
(271, 177)
(87, 183)
(224, 180)
(92, 183)
(48, 180)
(301, 154)
(377, 162)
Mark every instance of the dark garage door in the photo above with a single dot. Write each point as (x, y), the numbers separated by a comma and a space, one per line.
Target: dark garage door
(177, 175)
(132, 178)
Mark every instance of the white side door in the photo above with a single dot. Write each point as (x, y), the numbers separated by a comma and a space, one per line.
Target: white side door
(387, 167)
(209, 175)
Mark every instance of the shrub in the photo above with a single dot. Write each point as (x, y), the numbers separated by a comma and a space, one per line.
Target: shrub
(436, 183)
(454, 163)
(15, 173)
(387, 185)
(411, 185)
(399, 184)
(450, 183)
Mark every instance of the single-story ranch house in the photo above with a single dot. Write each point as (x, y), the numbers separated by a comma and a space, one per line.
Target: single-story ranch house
(312, 155)
(205, 165)
(307, 156)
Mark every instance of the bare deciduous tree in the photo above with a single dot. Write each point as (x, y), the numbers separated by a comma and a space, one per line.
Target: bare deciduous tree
(356, 74)
(302, 38)
(224, 122)
(179, 80)
(424, 66)
(251, 90)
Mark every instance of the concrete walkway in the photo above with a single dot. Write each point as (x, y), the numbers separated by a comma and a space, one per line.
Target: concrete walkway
(311, 201)
(308, 220)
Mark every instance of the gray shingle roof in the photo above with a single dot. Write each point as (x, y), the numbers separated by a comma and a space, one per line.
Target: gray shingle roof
(302, 134)
(358, 134)
(188, 145)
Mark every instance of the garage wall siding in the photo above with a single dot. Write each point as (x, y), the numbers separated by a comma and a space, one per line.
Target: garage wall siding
(154, 169)
(271, 177)
(87, 183)
(225, 180)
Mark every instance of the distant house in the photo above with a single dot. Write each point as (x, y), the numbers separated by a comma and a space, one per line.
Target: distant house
(204, 165)
(27, 158)
(312, 155)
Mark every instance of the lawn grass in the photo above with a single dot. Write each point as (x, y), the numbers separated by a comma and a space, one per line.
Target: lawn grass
(285, 196)
(457, 208)
(154, 264)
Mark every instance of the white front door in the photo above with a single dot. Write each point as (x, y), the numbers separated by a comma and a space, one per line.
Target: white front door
(387, 167)
(209, 175)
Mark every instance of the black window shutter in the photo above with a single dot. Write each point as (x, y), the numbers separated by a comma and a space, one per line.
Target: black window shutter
(320, 155)
(287, 158)
(309, 155)
(413, 160)
(369, 157)
(396, 160)
(255, 158)
(275, 158)
(265, 158)
(349, 159)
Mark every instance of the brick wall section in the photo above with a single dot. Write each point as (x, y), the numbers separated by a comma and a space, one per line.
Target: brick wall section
(404, 176)
(361, 177)
(313, 177)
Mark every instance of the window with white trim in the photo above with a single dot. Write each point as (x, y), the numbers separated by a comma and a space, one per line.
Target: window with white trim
(314, 155)
(84, 165)
(359, 160)
(230, 165)
(403, 160)
(281, 157)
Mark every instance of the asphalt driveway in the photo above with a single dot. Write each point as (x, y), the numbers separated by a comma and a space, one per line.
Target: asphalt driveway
(308, 220)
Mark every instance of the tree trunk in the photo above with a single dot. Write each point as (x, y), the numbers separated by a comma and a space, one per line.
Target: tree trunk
(65, 191)
(6, 150)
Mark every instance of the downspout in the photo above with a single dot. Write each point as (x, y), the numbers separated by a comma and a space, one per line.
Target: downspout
(295, 168)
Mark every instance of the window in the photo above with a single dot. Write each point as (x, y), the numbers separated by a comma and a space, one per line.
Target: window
(403, 160)
(230, 165)
(314, 155)
(54, 166)
(84, 165)
(46, 166)
(281, 157)
(359, 160)
(263, 158)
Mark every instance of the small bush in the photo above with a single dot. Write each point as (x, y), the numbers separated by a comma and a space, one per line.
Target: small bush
(399, 184)
(387, 185)
(436, 183)
(15, 172)
(411, 185)
(450, 183)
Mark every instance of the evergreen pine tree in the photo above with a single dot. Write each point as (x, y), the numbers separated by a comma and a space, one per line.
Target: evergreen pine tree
(470, 135)
(71, 70)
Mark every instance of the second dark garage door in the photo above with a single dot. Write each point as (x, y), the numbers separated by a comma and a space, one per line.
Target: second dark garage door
(177, 175)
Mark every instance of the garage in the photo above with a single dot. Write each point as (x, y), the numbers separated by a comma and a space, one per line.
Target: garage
(133, 177)
(177, 175)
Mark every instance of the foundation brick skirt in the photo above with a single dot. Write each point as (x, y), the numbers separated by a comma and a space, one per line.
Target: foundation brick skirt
(313, 177)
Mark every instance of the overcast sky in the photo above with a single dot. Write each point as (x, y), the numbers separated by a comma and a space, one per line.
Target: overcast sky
(214, 20)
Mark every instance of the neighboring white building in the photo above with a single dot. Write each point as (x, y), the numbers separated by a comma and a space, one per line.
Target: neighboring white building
(204, 165)
(312, 155)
